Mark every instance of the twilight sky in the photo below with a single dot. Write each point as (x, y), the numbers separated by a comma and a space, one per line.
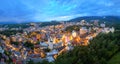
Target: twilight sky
(45, 10)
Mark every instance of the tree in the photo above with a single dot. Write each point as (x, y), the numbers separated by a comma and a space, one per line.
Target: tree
(29, 45)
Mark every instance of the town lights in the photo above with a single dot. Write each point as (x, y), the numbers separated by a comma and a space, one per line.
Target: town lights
(74, 34)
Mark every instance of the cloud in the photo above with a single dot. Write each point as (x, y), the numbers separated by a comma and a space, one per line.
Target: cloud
(61, 18)
(40, 10)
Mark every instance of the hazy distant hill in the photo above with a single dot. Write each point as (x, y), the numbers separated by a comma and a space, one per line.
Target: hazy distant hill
(109, 19)
(8, 22)
(13, 22)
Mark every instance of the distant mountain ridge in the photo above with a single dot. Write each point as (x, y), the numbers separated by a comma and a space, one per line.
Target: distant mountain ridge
(8, 22)
(14, 22)
(109, 19)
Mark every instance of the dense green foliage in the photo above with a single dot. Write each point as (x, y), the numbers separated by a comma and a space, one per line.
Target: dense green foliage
(23, 25)
(46, 50)
(99, 51)
(49, 23)
(115, 59)
(10, 32)
(117, 26)
(29, 45)
(15, 43)
(76, 28)
(71, 28)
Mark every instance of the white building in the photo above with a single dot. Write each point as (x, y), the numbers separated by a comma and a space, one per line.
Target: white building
(74, 34)
(50, 43)
(83, 30)
(1, 50)
(89, 30)
(102, 25)
(50, 58)
(53, 52)
(112, 29)
(82, 22)
(107, 30)
(43, 44)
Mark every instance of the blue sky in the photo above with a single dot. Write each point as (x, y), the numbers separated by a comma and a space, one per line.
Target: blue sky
(46, 10)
